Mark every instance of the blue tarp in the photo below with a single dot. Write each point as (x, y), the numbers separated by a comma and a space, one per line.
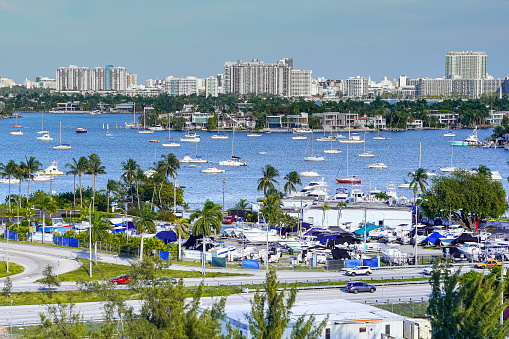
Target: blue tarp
(167, 236)
(352, 263)
(164, 255)
(69, 242)
(12, 235)
(433, 237)
(370, 227)
(250, 263)
(371, 262)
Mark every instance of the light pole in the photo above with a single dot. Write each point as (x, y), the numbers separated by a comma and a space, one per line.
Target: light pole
(90, 235)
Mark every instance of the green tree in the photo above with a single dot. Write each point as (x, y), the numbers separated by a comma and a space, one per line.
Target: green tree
(111, 187)
(292, 179)
(182, 228)
(267, 180)
(271, 312)
(145, 220)
(242, 205)
(61, 322)
(100, 231)
(418, 181)
(49, 280)
(129, 170)
(207, 219)
(45, 204)
(31, 166)
(78, 168)
(482, 170)
(272, 209)
(6, 290)
(9, 170)
(469, 196)
(94, 168)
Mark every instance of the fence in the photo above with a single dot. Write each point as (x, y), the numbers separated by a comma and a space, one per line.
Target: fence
(68, 242)
(11, 235)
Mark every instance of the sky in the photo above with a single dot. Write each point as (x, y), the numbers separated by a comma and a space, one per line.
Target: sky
(335, 39)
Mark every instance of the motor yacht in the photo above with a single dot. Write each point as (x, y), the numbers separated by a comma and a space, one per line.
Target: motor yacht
(45, 137)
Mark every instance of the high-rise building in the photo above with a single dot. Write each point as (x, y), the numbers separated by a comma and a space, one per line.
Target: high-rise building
(132, 80)
(99, 79)
(466, 65)
(211, 86)
(73, 78)
(356, 87)
(182, 85)
(300, 83)
(109, 78)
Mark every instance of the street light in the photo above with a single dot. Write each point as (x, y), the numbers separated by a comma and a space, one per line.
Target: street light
(90, 234)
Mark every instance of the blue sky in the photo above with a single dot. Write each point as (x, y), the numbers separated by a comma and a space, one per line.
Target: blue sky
(334, 38)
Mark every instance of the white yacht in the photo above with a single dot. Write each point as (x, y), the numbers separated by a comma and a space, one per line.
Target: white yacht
(52, 169)
(188, 160)
(234, 162)
(311, 173)
(256, 235)
(190, 137)
(12, 181)
(45, 137)
(40, 177)
(213, 170)
(299, 137)
(378, 165)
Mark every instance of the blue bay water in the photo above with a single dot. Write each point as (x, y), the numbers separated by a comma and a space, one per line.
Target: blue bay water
(400, 151)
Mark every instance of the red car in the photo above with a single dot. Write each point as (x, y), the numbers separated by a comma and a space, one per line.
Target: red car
(121, 279)
(228, 219)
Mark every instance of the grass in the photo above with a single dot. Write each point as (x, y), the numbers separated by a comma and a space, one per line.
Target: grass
(13, 269)
(406, 309)
(105, 271)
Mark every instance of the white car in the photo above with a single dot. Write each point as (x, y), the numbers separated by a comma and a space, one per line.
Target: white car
(366, 270)
(429, 270)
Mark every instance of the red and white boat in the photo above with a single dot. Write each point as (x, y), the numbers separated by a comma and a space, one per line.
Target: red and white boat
(349, 180)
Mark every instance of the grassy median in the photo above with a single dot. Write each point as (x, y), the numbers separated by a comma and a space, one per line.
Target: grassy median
(13, 269)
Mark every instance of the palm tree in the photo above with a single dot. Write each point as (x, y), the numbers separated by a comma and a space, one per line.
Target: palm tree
(483, 170)
(145, 220)
(169, 167)
(140, 176)
(31, 166)
(292, 179)
(99, 228)
(267, 180)
(242, 205)
(181, 228)
(78, 168)
(418, 180)
(130, 168)
(95, 168)
(340, 205)
(9, 171)
(20, 175)
(206, 219)
(111, 187)
(45, 203)
(325, 207)
(272, 209)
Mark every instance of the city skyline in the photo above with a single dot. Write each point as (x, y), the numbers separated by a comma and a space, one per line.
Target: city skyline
(336, 40)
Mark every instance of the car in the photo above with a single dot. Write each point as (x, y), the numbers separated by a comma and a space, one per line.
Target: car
(162, 281)
(359, 286)
(429, 270)
(228, 219)
(488, 264)
(121, 279)
(365, 270)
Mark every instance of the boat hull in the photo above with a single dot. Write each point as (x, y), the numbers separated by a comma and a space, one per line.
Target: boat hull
(348, 181)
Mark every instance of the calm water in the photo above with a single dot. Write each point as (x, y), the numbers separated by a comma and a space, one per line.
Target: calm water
(400, 151)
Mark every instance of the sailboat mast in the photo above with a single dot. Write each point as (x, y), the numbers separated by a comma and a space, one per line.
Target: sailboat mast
(60, 131)
(233, 140)
(420, 149)
(347, 161)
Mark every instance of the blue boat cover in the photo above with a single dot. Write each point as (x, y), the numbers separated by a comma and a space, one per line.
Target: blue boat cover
(167, 236)
(433, 237)
(370, 227)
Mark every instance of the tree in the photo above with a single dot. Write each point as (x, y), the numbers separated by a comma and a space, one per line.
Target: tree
(139, 177)
(111, 187)
(292, 179)
(6, 290)
(242, 205)
(181, 228)
(78, 168)
(145, 220)
(465, 308)
(94, 168)
(418, 181)
(272, 209)
(271, 312)
(31, 166)
(61, 321)
(49, 280)
(207, 219)
(129, 169)
(9, 171)
(267, 180)
(100, 231)
(45, 203)
(469, 196)
(482, 170)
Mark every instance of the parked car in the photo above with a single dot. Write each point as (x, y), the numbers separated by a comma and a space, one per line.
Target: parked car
(162, 281)
(487, 264)
(228, 219)
(359, 286)
(121, 279)
(366, 270)
(429, 270)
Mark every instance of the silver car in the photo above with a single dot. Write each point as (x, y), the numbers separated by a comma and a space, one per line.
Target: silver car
(365, 270)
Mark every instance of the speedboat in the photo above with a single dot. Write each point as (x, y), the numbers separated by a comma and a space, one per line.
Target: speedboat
(188, 160)
(327, 138)
(472, 140)
(156, 128)
(262, 153)
(190, 137)
(153, 140)
(354, 139)
(81, 130)
(234, 161)
(449, 134)
(20, 132)
(170, 144)
(367, 154)
(449, 169)
(11, 181)
(377, 165)
(38, 177)
(303, 130)
(332, 151)
(261, 236)
(310, 174)
(213, 170)
(299, 137)
(45, 137)
(52, 169)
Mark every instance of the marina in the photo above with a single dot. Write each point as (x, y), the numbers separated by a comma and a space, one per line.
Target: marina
(400, 152)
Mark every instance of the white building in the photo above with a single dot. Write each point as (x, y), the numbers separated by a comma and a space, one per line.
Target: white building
(73, 78)
(495, 118)
(211, 86)
(182, 85)
(132, 80)
(356, 87)
(117, 79)
(40, 82)
(434, 87)
(300, 83)
(466, 65)
(346, 319)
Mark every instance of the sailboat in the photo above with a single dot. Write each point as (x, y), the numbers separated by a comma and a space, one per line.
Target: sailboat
(234, 161)
(145, 130)
(332, 150)
(430, 174)
(18, 132)
(253, 134)
(108, 133)
(170, 143)
(378, 137)
(219, 135)
(42, 131)
(60, 145)
(188, 159)
(313, 157)
(367, 154)
(449, 133)
(450, 168)
(352, 139)
(348, 179)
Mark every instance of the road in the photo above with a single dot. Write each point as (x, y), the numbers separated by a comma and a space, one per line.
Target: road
(26, 315)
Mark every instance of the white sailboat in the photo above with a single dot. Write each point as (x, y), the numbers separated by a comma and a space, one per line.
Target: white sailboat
(378, 137)
(42, 131)
(17, 132)
(313, 157)
(449, 133)
(450, 168)
(45, 137)
(430, 174)
(145, 130)
(367, 154)
(253, 134)
(234, 161)
(190, 160)
(299, 137)
(220, 136)
(190, 137)
(169, 143)
(61, 145)
(352, 139)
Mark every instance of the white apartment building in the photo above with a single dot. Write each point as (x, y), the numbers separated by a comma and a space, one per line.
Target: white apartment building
(40, 82)
(356, 87)
(211, 86)
(466, 65)
(181, 85)
(434, 87)
(73, 78)
(99, 79)
(256, 77)
(335, 121)
(300, 83)
(132, 80)
(117, 79)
